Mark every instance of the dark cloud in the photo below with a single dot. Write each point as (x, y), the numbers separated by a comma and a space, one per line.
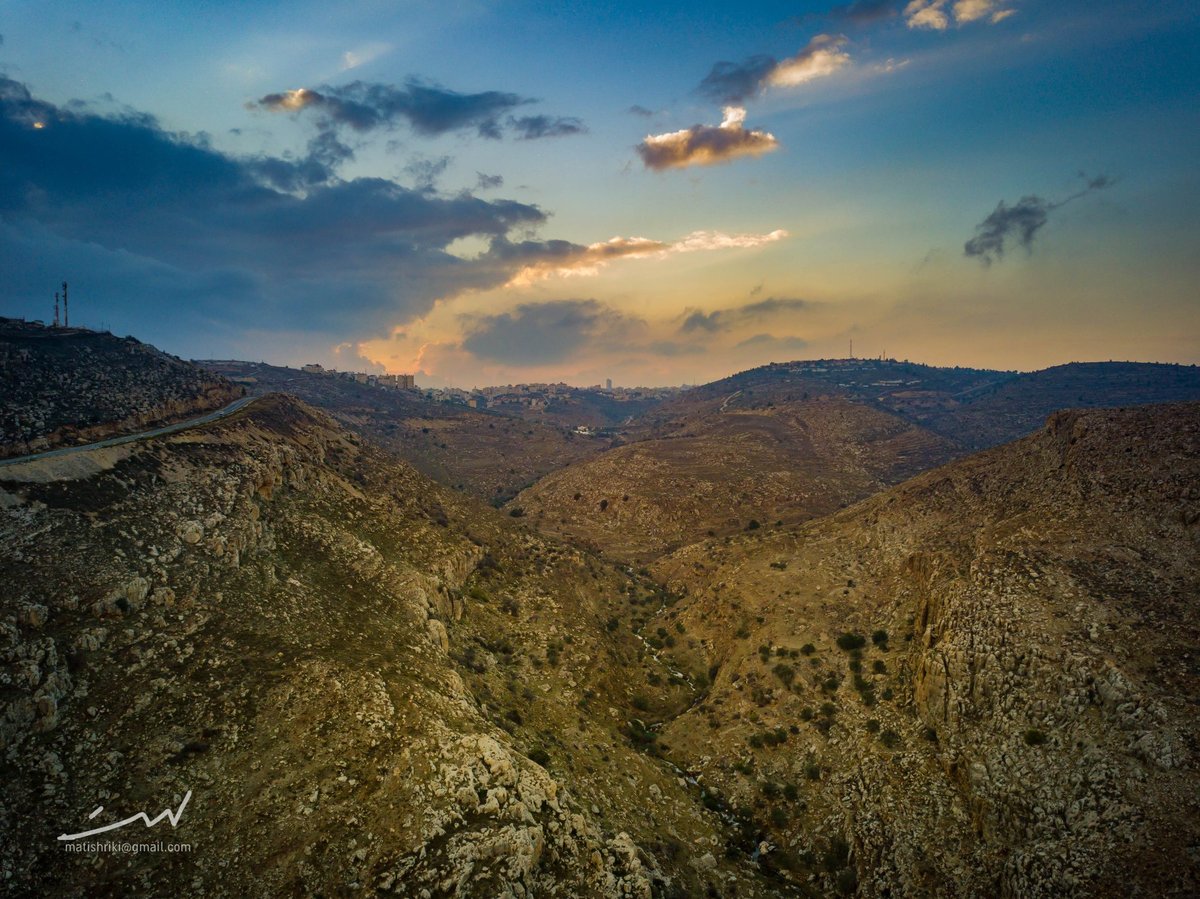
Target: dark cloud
(865, 12)
(533, 127)
(156, 227)
(1020, 222)
(727, 319)
(429, 109)
(488, 182)
(733, 82)
(539, 333)
(425, 171)
(774, 344)
(705, 144)
(638, 110)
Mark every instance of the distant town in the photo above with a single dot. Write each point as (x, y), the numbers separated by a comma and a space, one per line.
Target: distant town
(513, 396)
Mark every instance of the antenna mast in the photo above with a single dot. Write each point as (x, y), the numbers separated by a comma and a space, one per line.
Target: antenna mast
(66, 312)
(56, 309)
(851, 339)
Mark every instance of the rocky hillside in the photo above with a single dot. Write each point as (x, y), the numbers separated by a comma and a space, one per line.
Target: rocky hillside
(982, 682)
(65, 386)
(737, 466)
(369, 684)
(488, 454)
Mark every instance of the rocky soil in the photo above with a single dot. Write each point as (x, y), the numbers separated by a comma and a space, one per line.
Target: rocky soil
(370, 684)
(735, 467)
(488, 454)
(66, 386)
(982, 682)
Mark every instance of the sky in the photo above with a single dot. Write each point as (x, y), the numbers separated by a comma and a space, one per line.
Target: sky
(504, 192)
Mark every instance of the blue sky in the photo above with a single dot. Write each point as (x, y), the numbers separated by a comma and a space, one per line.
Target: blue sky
(487, 192)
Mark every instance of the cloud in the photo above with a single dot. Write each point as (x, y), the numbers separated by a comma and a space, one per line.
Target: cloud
(936, 15)
(822, 57)
(360, 56)
(540, 333)
(1021, 221)
(488, 182)
(425, 171)
(535, 126)
(729, 82)
(705, 144)
(773, 344)
(733, 82)
(642, 111)
(543, 259)
(429, 109)
(719, 320)
(864, 12)
(160, 230)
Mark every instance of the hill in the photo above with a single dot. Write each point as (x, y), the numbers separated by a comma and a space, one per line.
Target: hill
(980, 682)
(489, 454)
(66, 386)
(367, 683)
(1017, 406)
(786, 442)
(722, 470)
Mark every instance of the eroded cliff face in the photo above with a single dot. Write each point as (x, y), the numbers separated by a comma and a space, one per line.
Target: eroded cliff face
(1016, 712)
(68, 386)
(367, 683)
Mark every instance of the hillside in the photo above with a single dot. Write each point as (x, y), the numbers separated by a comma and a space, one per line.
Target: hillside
(66, 386)
(369, 683)
(1018, 406)
(783, 443)
(727, 469)
(490, 455)
(981, 682)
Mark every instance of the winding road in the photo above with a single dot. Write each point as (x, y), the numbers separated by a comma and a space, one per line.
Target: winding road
(129, 438)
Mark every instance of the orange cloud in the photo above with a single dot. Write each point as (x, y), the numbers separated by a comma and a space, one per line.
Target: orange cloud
(705, 144)
(588, 260)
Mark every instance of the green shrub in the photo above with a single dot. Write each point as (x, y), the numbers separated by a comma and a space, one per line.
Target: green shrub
(890, 739)
(873, 726)
(808, 649)
(849, 641)
(879, 637)
(785, 673)
(878, 667)
(1035, 737)
(539, 755)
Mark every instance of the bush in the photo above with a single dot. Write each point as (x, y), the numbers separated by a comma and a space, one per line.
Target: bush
(873, 726)
(753, 525)
(890, 739)
(778, 816)
(603, 504)
(1034, 737)
(516, 511)
(850, 641)
(878, 667)
(785, 673)
(808, 649)
(879, 637)
(539, 755)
